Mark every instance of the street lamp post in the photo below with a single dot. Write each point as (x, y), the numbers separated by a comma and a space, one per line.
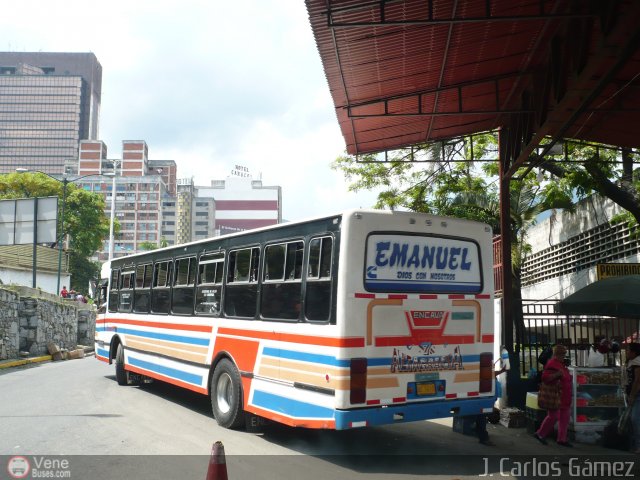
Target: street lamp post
(116, 164)
(65, 181)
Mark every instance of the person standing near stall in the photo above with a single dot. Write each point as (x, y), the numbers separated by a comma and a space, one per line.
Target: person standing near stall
(633, 393)
(556, 371)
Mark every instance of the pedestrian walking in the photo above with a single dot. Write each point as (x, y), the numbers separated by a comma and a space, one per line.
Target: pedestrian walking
(556, 373)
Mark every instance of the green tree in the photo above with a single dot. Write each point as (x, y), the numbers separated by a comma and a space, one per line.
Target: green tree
(443, 181)
(152, 245)
(595, 168)
(440, 179)
(84, 218)
(147, 245)
(83, 271)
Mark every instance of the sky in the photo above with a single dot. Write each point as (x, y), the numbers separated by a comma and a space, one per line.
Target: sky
(207, 83)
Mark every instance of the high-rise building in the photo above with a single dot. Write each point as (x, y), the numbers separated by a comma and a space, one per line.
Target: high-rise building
(140, 191)
(49, 102)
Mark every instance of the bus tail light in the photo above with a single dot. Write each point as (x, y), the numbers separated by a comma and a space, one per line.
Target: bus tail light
(486, 372)
(358, 380)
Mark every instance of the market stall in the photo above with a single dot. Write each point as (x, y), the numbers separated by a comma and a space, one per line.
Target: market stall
(598, 397)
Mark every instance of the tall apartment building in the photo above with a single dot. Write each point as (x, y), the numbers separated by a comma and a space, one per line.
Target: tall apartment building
(184, 211)
(140, 190)
(187, 216)
(48, 103)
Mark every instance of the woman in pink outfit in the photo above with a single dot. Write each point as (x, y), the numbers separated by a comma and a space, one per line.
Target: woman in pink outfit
(556, 371)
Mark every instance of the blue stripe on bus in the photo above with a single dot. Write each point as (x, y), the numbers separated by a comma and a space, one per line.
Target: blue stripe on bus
(329, 360)
(381, 285)
(167, 371)
(411, 412)
(379, 362)
(103, 353)
(381, 281)
(305, 357)
(293, 408)
(166, 336)
(384, 361)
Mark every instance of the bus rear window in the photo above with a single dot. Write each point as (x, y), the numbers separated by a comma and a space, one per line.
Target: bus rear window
(422, 264)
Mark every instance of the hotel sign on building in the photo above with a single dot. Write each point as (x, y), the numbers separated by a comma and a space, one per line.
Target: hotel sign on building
(606, 270)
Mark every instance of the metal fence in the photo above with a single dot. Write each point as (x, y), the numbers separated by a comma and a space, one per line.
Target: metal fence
(543, 327)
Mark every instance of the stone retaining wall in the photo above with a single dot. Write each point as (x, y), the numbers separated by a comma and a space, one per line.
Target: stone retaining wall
(30, 319)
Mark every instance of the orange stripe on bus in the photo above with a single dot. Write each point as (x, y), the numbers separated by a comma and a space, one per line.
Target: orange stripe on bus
(348, 342)
(435, 339)
(102, 359)
(244, 352)
(171, 326)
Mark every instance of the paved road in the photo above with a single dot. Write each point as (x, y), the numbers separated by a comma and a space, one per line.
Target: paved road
(75, 410)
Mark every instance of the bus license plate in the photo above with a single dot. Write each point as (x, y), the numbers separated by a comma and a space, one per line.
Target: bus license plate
(426, 388)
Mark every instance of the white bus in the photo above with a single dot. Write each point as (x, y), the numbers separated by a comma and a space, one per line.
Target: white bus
(356, 319)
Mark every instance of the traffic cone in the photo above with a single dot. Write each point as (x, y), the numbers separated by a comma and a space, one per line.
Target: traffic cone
(217, 463)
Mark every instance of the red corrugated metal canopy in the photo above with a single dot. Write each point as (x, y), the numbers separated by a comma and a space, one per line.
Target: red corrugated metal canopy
(403, 72)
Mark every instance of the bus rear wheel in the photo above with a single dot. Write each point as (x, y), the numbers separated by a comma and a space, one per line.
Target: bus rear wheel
(226, 395)
(121, 374)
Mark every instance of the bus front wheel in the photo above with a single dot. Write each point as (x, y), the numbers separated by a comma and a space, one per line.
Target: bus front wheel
(121, 374)
(226, 395)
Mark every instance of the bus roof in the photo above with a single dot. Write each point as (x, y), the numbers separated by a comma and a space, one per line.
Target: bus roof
(287, 225)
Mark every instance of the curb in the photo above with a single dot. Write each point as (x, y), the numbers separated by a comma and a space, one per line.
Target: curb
(25, 361)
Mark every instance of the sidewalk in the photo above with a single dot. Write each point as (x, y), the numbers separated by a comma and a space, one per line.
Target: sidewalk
(24, 361)
(18, 362)
(511, 441)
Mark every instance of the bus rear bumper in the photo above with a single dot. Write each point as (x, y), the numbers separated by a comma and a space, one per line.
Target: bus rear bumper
(411, 412)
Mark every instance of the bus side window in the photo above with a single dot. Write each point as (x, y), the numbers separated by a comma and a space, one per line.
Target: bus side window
(319, 287)
(241, 292)
(126, 291)
(208, 292)
(142, 294)
(160, 293)
(101, 300)
(182, 294)
(114, 285)
(282, 283)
